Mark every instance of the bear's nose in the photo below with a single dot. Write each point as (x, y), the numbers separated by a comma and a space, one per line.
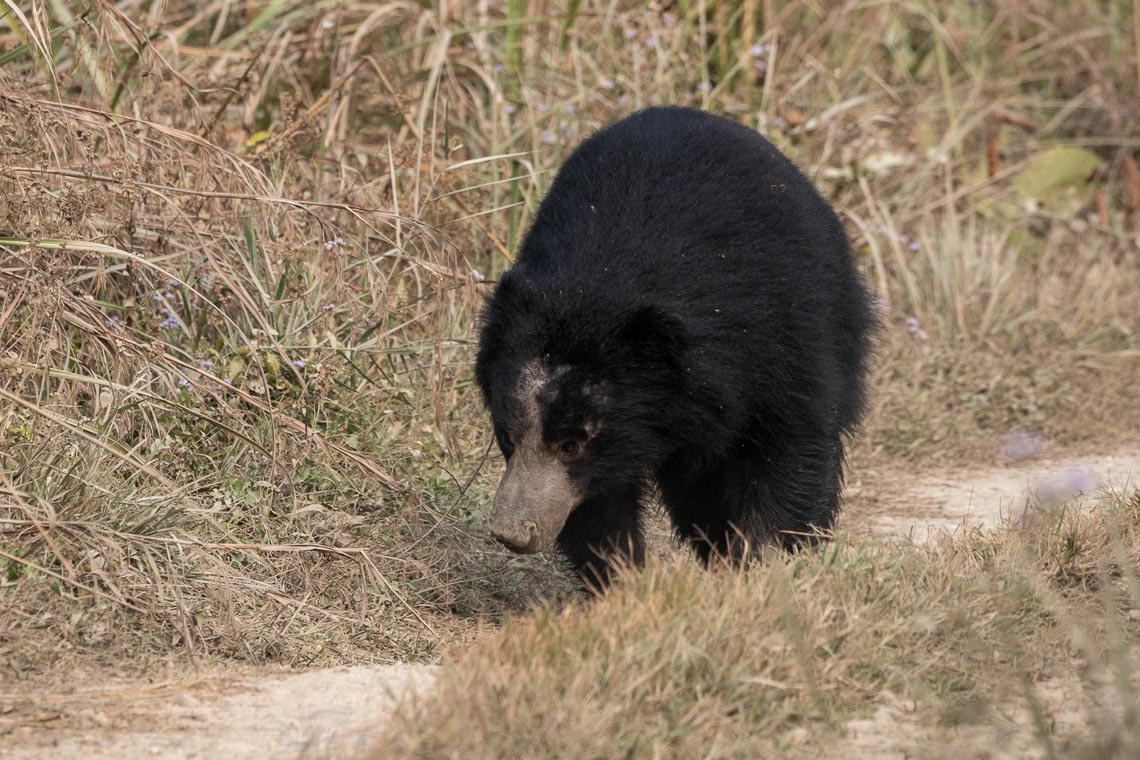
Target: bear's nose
(521, 537)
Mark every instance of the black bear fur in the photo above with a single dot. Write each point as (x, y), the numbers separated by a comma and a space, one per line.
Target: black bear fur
(695, 305)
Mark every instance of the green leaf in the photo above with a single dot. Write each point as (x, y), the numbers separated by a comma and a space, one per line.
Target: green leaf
(1057, 175)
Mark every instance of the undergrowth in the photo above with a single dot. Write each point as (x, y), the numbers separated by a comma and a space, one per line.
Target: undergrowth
(1017, 643)
(242, 247)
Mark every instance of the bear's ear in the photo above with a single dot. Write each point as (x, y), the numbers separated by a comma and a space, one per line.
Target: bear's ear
(652, 332)
(508, 287)
(513, 292)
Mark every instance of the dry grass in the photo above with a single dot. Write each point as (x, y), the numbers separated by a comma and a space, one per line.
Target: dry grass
(1018, 643)
(270, 459)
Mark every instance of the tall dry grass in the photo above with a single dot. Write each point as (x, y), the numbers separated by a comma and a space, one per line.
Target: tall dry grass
(1016, 644)
(243, 243)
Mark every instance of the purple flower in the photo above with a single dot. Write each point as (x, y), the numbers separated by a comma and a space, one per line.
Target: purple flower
(206, 363)
(183, 383)
(477, 274)
(759, 51)
(914, 247)
(630, 32)
(915, 328)
(175, 283)
(509, 109)
(299, 363)
(115, 321)
(337, 242)
(170, 323)
(1059, 487)
(1022, 444)
(547, 137)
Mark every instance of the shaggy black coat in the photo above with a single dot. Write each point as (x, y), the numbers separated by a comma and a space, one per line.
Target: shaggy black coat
(700, 301)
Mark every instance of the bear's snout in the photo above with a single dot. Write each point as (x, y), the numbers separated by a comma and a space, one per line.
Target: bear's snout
(520, 537)
(532, 502)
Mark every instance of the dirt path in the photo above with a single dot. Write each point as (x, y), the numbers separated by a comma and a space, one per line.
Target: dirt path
(917, 507)
(323, 713)
(319, 713)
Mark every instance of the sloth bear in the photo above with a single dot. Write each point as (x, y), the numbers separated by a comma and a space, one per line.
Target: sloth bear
(684, 316)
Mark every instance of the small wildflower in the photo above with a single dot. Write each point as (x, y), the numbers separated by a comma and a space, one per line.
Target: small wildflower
(175, 283)
(477, 274)
(606, 83)
(299, 363)
(1059, 487)
(630, 32)
(498, 68)
(158, 297)
(542, 108)
(168, 296)
(651, 42)
(170, 323)
(183, 383)
(704, 86)
(781, 122)
(547, 137)
(1022, 444)
(915, 329)
(337, 242)
(329, 306)
(759, 51)
(114, 321)
(227, 381)
(914, 247)
(509, 109)
(206, 364)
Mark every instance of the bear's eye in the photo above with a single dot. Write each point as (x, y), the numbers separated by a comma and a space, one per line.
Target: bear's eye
(570, 448)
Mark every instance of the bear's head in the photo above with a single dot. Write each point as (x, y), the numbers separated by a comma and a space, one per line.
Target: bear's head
(583, 402)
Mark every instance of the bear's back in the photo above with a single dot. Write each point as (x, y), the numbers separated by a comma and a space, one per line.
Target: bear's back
(670, 196)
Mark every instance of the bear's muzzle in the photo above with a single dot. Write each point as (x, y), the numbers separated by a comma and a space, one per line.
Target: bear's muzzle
(532, 503)
(519, 536)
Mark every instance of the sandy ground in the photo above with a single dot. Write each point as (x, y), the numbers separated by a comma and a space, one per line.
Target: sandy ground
(326, 713)
(918, 507)
(319, 713)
